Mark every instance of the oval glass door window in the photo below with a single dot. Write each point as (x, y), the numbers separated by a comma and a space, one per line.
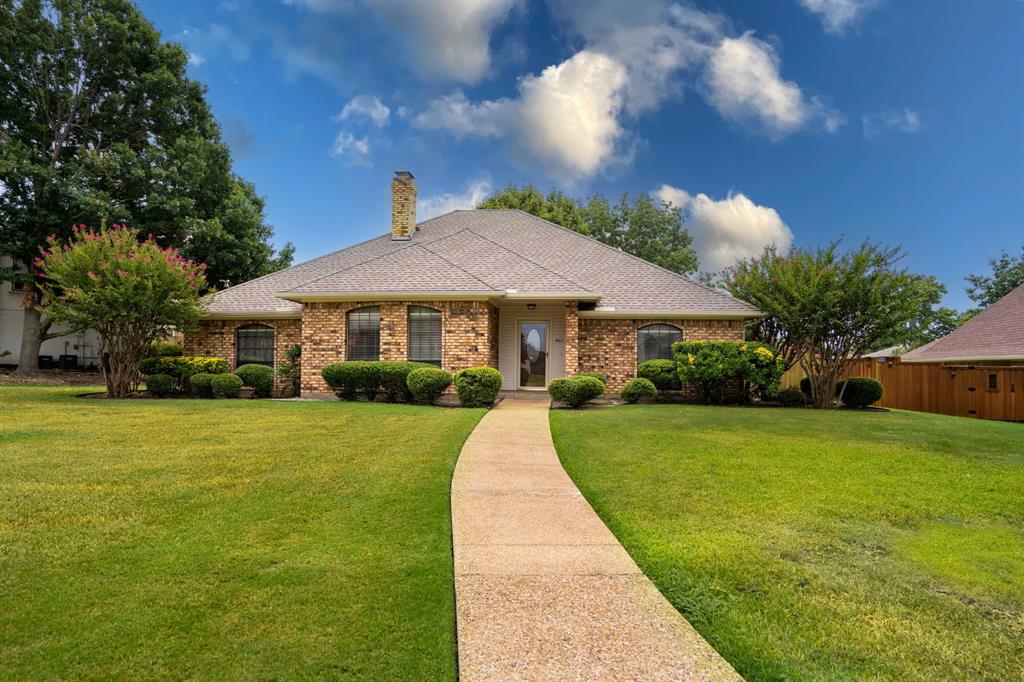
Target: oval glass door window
(533, 344)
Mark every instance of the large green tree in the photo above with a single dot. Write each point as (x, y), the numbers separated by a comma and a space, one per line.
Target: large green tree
(1007, 275)
(637, 225)
(931, 321)
(826, 307)
(100, 124)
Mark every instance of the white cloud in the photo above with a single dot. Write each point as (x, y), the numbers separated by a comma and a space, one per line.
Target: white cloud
(195, 59)
(354, 151)
(743, 82)
(363, 108)
(567, 117)
(727, 229)
(839, 15)
(446, 40)
(439, 204)
(905, 121)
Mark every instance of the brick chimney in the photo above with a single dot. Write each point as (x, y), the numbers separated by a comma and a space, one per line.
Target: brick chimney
(403, 206)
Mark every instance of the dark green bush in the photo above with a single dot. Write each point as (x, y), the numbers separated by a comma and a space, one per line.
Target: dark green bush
(576, 390)
(791, 397)
(478, 386)
(202, 385)
(181, 369)
(600, 376)
(393, 378)
(352, 378)
(860, 392)
(225, 386)
(638, 389)
(661, 373)
(160, 385)
(165, 349)
(805, 386)
(427, 384)
(259, 378)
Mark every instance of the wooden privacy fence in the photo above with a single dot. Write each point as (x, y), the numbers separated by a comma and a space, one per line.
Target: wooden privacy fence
(993, 392)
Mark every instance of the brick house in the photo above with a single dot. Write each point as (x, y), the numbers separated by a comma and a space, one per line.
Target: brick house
(479, 287)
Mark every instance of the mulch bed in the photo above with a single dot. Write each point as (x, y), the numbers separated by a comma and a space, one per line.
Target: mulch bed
(56, 377)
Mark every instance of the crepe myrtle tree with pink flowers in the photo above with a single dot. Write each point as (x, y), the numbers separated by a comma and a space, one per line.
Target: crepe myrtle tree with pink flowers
(130, 291)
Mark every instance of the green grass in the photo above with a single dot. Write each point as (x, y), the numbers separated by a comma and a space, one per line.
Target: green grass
(225, 539)
(810, 545)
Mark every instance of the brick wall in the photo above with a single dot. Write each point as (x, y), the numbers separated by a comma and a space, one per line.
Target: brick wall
(609, 345)
(572, 338)
(469, 335)
(216, 338)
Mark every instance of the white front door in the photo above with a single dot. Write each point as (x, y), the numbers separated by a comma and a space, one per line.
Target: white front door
(533, 354)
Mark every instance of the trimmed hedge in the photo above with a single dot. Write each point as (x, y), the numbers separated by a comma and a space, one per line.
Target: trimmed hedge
(576, 390)
(600, 376)
(791, 397)
(259, 378)
(160, 385)
(478, 386)
(165, 349)
(711, 365)
(225, 386)
(638, 389)
(662, 373)
(358, 378)
(202, 385)
(182, 368)
(860, 392)
(427, 384)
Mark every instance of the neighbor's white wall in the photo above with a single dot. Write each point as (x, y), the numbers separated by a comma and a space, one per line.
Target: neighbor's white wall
(509, 315)
(85, 346)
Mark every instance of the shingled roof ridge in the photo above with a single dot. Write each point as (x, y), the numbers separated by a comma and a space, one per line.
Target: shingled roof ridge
(686, 279)
(529, 260)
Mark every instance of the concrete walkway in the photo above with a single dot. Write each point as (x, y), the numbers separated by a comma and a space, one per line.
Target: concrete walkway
(543, 590)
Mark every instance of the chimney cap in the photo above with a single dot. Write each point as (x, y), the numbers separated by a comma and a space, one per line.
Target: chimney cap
(404, 175)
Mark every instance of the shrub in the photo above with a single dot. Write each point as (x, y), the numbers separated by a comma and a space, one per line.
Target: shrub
(165, 349)
(392, 378)
(478, 386)
(600, 376)
(710, 365)
(637, 389)
(181, 369)
(860, 392)
(160, 385)
(791, 397)
(427, 384)
(202, 385)
(225, 386)
(291, 369)
(259, 378)
(805, 386)
(574, 391)
(352, 378)
(662, 373)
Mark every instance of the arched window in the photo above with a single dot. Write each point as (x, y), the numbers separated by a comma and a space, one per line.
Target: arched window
(254, 345)
(424, 335)
(654, 342)
(363, 334)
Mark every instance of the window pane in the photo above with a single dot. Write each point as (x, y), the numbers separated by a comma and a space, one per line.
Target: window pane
(425, 335)
(364, 334)
(254, 345)
(654, 342)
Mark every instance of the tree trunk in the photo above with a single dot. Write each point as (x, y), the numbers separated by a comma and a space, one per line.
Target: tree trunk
(32, 336)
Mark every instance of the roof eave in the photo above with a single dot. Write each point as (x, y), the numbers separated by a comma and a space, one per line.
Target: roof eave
(666, 314)
(975, 359)
(253, 315)
(346, 296)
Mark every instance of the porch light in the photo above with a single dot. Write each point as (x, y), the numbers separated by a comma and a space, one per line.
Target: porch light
(531, 306)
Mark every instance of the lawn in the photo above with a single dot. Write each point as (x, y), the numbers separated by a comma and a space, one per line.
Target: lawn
(225, 539)
(809, 545)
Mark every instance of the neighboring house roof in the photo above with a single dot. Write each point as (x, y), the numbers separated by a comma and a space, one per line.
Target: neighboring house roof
(996, 333)
(482, 253)
(890, 352)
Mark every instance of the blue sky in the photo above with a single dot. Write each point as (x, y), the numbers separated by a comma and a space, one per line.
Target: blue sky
(791, 121)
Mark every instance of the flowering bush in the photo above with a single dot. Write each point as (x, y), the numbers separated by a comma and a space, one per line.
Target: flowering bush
(710, 365)
(131, 292)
